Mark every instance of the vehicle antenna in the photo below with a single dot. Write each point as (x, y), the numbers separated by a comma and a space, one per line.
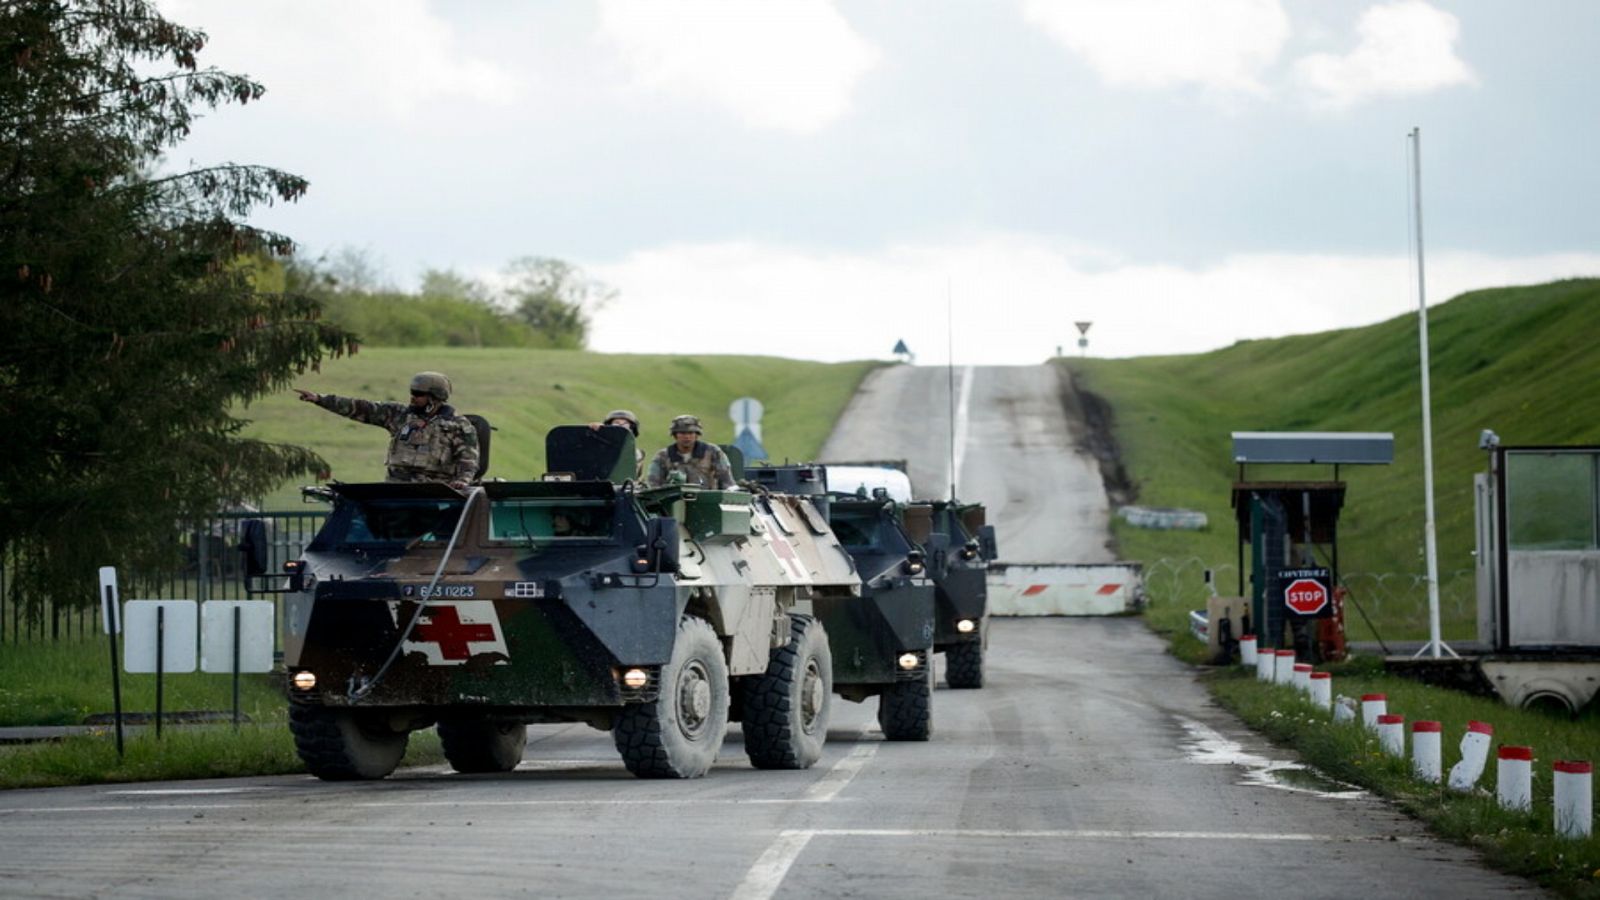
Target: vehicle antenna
(950, 368)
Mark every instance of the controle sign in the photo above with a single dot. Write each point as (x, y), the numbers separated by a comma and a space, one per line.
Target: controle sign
(1305, 591)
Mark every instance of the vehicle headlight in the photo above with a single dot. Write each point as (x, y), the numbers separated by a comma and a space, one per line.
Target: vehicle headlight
(635, 679)
(304, 681)
(909, 661)
(966, 626)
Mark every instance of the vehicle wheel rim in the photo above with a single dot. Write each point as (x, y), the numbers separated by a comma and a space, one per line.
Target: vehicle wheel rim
(813, 695)
(694, 699)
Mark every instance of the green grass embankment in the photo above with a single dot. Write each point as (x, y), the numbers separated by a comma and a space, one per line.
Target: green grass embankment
(1520, 361)
(524, 393)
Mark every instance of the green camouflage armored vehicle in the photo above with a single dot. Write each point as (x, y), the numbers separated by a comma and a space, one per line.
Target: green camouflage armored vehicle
(882, 641)
(654, 614)
(959, 547)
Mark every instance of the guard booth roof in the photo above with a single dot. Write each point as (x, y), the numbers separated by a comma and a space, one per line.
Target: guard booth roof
(1340, 448)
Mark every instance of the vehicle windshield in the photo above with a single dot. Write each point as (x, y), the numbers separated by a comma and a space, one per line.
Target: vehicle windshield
(865, 531)
(380, 523)
(542, 520)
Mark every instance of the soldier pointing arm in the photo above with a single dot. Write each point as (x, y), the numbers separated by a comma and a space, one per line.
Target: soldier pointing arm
(428, 442)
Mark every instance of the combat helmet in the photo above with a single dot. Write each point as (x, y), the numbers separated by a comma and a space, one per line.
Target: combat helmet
(686, 424)
(431, 383)
(633, 420)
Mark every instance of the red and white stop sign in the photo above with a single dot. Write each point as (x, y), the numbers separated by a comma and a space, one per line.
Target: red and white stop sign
(1305, 596)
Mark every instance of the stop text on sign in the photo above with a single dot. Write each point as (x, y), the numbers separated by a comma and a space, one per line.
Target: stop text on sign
(1305, 596)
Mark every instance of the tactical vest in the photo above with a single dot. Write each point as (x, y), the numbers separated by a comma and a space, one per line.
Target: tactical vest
(422, 449)
(699, 467)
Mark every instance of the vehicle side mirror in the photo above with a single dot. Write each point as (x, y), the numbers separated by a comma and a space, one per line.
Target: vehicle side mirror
(253, 547)
(988, 544)
(661, 541)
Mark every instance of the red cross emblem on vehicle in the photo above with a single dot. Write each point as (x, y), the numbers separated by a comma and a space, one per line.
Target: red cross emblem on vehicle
(442, 625)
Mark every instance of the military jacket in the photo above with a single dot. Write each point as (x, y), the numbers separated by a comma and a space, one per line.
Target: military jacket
(438, 447)
(705, 466)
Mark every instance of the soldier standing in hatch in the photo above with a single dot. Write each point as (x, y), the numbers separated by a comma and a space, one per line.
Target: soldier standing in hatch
(701, 463)
(623, 418)
(430, 442)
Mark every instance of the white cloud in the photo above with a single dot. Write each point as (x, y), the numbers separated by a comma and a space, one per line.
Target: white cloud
(347, 57)
(1407, 47)
(791, 65)
(1222, 45)
(1014, 298)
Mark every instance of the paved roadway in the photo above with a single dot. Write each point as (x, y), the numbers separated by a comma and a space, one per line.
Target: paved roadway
(1013, 449)
(1092, 764)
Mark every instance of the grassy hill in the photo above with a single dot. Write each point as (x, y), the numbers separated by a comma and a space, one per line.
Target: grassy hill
(1521, 361)
(525, 392)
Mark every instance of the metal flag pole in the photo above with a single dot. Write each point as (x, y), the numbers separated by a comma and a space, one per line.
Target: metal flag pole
(1435, 643)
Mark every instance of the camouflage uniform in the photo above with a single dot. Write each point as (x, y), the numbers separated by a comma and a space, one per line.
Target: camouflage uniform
(706, 466)
(438, 447)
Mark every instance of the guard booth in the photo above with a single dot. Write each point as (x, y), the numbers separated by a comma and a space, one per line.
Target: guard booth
(1290, 528)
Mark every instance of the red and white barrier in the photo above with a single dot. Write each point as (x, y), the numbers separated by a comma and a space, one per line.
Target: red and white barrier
(1283, 673)
(1514, 778)
(1425, 751)
(1266, 662)
(1574, 800)
(1373, 706)
(1247, 650)
(1322, 689)
(1392, 734)
(1302, 678)
(1464, 775)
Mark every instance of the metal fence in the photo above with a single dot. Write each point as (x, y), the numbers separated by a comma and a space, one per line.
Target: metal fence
(1397, 602)
(210, 567)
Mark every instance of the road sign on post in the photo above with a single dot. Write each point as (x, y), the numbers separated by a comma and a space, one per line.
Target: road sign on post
(746, 415)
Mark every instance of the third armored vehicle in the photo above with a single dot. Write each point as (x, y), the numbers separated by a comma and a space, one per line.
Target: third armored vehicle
(959, 547)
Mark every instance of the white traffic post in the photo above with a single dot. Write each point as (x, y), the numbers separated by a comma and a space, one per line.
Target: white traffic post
(1464, 775)
(1322, 689)
(1373, 706)
(1283, 673)
(1392, 734)
(1574, 790)
(1514, 778)
(1247, 650)
(1302, 678)
(1425, 751)
(1266, 662)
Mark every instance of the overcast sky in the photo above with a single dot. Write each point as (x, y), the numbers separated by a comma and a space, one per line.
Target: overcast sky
(818, 179)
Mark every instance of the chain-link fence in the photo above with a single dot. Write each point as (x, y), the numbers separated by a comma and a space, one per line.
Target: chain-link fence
(1396, 602)
(210, 566)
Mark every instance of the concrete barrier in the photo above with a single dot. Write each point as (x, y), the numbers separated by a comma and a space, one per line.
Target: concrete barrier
(1046, 589)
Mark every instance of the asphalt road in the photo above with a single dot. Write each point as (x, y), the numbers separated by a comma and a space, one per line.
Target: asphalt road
(1011, 443)
(1092, 764)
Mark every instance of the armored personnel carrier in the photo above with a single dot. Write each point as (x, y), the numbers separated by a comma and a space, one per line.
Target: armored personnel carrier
(656, 614)
(959, 547)
(882, 641)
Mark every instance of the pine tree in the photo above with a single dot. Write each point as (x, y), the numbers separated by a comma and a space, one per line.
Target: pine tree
(130, 329)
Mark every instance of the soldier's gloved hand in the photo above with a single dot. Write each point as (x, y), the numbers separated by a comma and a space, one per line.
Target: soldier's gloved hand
(458, 484)
(308, 396)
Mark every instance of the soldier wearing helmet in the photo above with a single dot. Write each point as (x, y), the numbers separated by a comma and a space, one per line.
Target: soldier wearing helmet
(428, 442)
(701, 463)
(623, 418)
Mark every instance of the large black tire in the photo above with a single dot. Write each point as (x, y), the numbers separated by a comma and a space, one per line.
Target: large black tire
(477, 746)
(786, 708)
(964, 665)
(344, 745)
(678, 734)
(905, 709)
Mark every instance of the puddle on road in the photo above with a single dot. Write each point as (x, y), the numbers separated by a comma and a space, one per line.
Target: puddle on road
(1208, 747)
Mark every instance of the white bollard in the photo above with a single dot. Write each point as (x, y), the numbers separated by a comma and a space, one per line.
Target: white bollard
(1302, 678)
(1392, 734)
(1574, 803)
(1425, 751)
(1266, 662)
(1322, 689)
(1345, 710)
(1514, 778)
(1283, 673)
(1373, 706)
(1247, 650)
(1464, 775)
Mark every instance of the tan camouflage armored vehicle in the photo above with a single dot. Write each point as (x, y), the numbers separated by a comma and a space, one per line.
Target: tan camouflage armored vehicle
(657, 614)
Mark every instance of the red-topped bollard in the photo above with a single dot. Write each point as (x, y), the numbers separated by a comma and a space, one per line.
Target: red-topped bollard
(1284, 672)
(1574, 801)
(1302, 678)
(1322, 689)
(1514, 778)
(1425, 755)
(1373, 706)
(1464, 775)
(1247, 650)
(1392, 734)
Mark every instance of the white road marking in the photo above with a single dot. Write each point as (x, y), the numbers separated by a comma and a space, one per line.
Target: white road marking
(763, 879)
(834, 781)
(959, 427)
(163, 792)
(1106, 834)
